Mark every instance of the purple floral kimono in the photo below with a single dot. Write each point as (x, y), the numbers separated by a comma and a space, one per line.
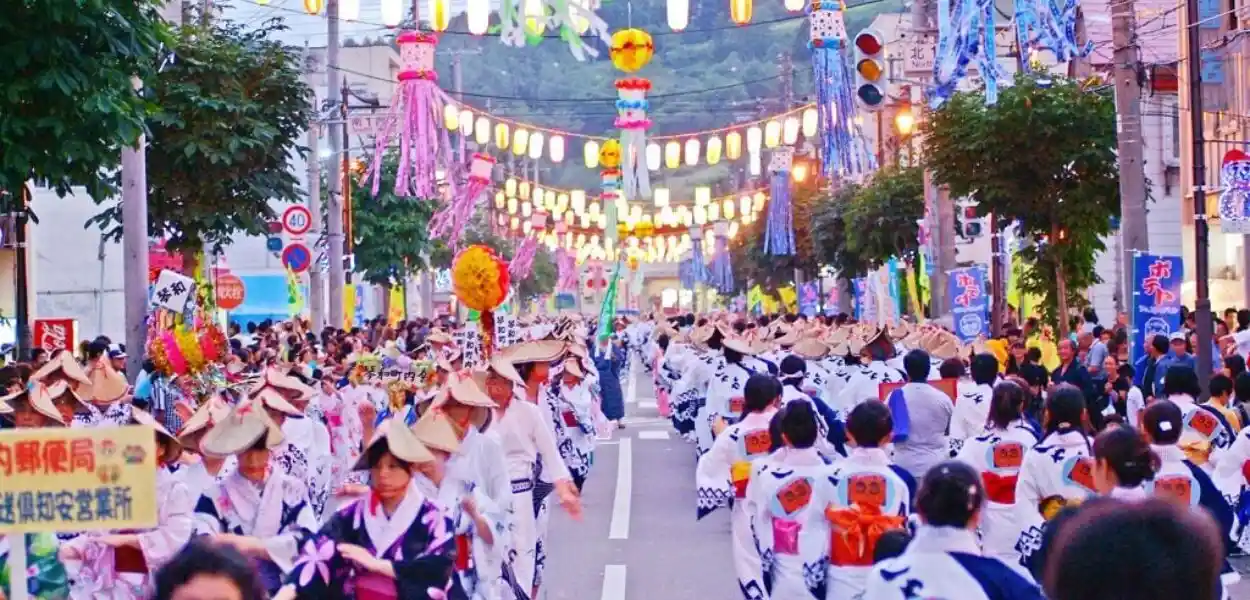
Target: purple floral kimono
(418, 539)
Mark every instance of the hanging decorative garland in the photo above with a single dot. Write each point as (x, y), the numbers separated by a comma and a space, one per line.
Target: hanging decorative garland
(415, 110)
(722, 273)
(449, 222)
(632, 50)
(610, 185)
(834, 101)
(779, 236)
(523, 259)
(524, 22)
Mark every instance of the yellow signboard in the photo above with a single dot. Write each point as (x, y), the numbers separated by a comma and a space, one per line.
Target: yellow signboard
(63, 479)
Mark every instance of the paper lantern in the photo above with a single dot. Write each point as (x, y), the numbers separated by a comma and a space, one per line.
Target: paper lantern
(790, 131)
(653, 156)
(672, 155)
(631, 49)
(481, 131)
(527, 209)
(744, 205)
(500, 200)
(520, 141)
(438, 14)
(451, 117)
(740, 11)
(512, 206)
(610, 154)
(466, 122)
(392, 12)
(733, 145)
(349, 10)
(772, 134)
(811, 121)
(759, 201)
(661, 196)
(714, 149)
(313, 7)
(692, 152)
(678, 14)
(702, 195)
(593, 209)
(477, 13)
(590, 154)
(755, 167)
(755, 137)
(728, 208)
(501, 136)
(509, 187)
(577, 199)
(555, 147)
(536, 145)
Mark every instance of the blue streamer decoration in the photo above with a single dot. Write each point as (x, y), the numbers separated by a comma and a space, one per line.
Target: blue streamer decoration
(779, 237)
(722, 274)
(840, 152)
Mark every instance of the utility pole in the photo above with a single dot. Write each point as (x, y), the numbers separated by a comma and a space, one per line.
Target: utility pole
(316, 285)
(334, 202)
(135, 247)
(940, 207)
(1133, 228)
(1202, 304)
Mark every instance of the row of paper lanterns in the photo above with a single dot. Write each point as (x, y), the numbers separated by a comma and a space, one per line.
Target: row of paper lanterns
(438, 13)
(572, 208)
(559, 200)
(688, 150)
(658, 248)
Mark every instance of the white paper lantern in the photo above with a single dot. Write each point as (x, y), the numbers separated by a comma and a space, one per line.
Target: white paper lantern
(692, 152)
(653, 157)
(536, 145)
(555, 147)
(392, 12)
(679, 14)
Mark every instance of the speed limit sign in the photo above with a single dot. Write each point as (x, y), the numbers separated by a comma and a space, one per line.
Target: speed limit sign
(296, 220)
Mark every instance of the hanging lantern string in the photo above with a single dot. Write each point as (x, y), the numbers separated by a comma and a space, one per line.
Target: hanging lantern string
(672, 136)
(589, 197)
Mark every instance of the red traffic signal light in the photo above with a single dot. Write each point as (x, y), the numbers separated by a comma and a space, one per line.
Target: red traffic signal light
(868, 42)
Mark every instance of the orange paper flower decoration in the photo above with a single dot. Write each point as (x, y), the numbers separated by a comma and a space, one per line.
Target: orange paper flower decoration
(479, 278)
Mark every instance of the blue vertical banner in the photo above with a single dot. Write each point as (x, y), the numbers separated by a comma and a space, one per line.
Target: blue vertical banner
(1156, 297)
(809, 298)
(859, 289)
(969, 302)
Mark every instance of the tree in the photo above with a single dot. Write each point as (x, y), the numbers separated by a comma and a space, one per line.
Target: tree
(829, 234)
(881, 218)
(392, 233)
(68, 103)
(230, 114)
(752, 265)
(1044, 158)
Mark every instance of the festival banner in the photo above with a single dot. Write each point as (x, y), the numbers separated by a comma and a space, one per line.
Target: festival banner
(607, 311)
(755, 299)
(60, 479)
(55, 334)
(809, 299)
(1156, 297)
(969, 303)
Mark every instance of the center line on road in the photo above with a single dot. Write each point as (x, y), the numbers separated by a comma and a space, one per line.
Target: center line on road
(613, 582)
(619, 528)
(648, 405)
(653, 435)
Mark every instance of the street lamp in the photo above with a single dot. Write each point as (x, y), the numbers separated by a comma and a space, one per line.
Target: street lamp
(904, 121)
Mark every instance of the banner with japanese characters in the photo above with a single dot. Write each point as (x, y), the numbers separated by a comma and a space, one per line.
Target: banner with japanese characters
(969, 303)
(172, 291)
(809, 298)
(63, 479)
(1156, 297)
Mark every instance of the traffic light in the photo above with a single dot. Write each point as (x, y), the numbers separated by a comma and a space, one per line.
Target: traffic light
(971, 222)
(870, 71)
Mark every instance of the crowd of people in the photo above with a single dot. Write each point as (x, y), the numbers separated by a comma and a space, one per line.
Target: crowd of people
(892, 462)
(380, 462)
(858, 461)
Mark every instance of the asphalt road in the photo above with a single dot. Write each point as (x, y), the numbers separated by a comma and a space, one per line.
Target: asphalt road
(638, 538)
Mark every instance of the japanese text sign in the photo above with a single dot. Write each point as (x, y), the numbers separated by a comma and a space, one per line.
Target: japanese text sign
(62, 479)
(969, 303)
(1156, 297)
(172, 291)
(55, 334)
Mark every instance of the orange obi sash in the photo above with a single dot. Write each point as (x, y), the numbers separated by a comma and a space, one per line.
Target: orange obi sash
(1000, 488)
(740, 475)
(855, 533)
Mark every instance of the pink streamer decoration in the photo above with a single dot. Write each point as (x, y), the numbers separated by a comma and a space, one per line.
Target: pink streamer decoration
(523, 261)
(449, 222)
(416, 109)
(566, 268)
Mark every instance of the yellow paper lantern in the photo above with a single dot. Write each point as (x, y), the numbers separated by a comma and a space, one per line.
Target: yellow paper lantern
(555, 147)
(512, 206)
(590, 154)
(451, 117)
(631, 49)
(714, 149)
(527, 209)
(759, 201)
(500, 201)
(702, 195)
(520, 141)
(692, 152)
(772, 134)
(314, 7)
(524, 192)
(466, 122)
(577, 199)
(811, 121)
(672, 155)
(728, 208)
(509, 187)
(740, 11)
(439, 14)
(744, 205)
(481, 131)
(733, 145)
(501, 136)
(790, 131)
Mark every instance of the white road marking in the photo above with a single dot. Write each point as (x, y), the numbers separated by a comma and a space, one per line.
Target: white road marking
(649, 405)
(613, 582)
(631, 395)
(619, 528)
(653, 435)
(607, 442)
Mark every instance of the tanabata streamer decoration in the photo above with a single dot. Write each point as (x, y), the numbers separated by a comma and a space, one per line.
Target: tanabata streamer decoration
(479, 279)
(966, 33)
(834, 96)
(631, 110)
(451, 220)
(779, 237)
(694, 269)
(566, 270)
(722, 273)
(574, 20)
(1234, 204)
(610, 184)
(416, 112)
(1041, 25)
(523, 259)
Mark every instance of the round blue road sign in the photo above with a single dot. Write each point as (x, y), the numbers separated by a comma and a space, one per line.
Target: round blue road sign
(297, 257)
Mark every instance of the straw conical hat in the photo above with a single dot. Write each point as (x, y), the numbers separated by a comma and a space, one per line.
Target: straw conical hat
(107, 385)
(273, 400)
(40, 399)
(438, 336)
(64, 368)
(400, 441)
(505, 369)
(288, 387)
(246, 426)
(214, 410)
(738, 345)
(141, 417)
(532, 352)
(574, 368)
(436, 432)
(810, 349)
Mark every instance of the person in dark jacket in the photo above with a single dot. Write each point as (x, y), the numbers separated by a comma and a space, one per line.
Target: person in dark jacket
(612, 399)
(1071, 371)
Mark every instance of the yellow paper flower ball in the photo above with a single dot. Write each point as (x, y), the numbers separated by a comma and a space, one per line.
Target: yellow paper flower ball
(610, 154)
(631, 49)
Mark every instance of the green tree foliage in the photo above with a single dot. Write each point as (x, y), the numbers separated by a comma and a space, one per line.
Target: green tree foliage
(880, 220)
(829, 233)
(391, 232)
(231, 111)
(541, 280)
(751, 265)
(1043, 157)
(68, 104)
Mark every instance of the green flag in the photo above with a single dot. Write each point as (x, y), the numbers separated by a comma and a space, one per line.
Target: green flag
(607, 312)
